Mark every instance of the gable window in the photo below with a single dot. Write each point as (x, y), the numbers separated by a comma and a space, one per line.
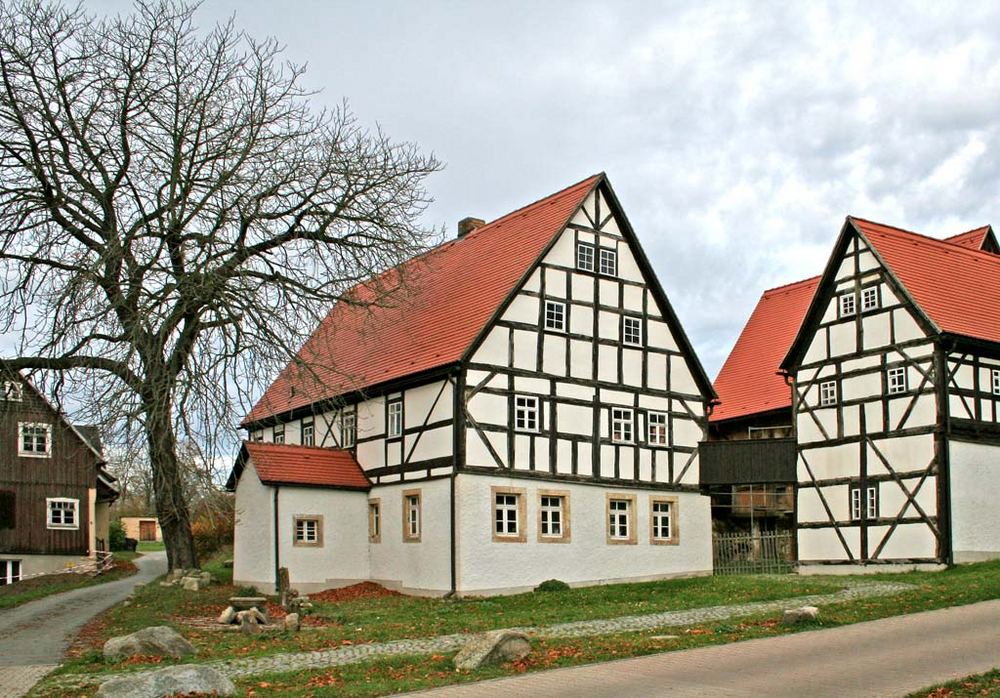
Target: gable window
(11, 392)
(632, 331)
(996, 381)
(34, 439)
(63, 512)
(869, 298)
(395, 419)
(279, 434)
(895, 380)
(847, 304)
(10, 572)
(864, 502)
(621, 527)
(348, 429)
(308, 531)
(609, 262)
(308, 433)
(657, 427)
(525, 413)
(584, 256)
(828, 393)
(257, 435)
(555, 316)
(621, 425)
(375, 520)
(663, 520)
(411, 516)
(553, 516)
(508, 514)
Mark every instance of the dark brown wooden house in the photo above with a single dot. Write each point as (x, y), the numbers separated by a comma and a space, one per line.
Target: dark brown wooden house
(54, 491)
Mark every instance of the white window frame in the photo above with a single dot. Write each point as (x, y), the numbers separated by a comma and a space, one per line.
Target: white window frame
(506, 522)
(12, 391)
(586, 256)
(307, 531)
(375, 520)
(348, 429)
(278, 436)
(871, 502)
(32, 452)
(827, 393)
(869, 298)
(394, 419)
(661, 524)
(555, 316)
(631, 331)
(622, 425)
(527, 413)
(856, 503)
(620, 511)
(62, 525)
(847, 304)
(412, 515)
(657, 429)
(607, 264)
(7, 574)
(895, 380)
(551, 515)
(308, 438)
(995, 375)
(257, 435)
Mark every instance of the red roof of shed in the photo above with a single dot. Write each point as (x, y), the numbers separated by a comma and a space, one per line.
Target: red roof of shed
(452, 293)
(288, 464)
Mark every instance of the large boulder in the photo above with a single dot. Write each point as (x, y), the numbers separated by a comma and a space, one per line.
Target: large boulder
(175, 680)
(493, 648)
(158, 640)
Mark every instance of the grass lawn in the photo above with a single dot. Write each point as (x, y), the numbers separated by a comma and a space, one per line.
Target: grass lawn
(987, 684)
(391, 617)
(37, 587)
(150, 546)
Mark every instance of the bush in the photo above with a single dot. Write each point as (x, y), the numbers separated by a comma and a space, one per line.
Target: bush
(552, 585)
(210, 534)
(116, 535)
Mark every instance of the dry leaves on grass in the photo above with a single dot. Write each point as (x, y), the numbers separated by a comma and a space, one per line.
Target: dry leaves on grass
(355, 592)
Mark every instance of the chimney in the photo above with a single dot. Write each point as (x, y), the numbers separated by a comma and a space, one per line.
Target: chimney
(467, 225)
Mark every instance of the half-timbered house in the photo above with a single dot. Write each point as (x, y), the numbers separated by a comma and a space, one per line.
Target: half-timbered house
(530, 409)
(54, 492)
(895, 386)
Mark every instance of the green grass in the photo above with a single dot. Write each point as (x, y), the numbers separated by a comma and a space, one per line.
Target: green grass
(987, 684)
(39, 587)
(150, 546)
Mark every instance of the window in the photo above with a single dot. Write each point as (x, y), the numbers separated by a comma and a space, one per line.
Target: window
(10, 572)
(555, 316)
(34, 439)
(855, 503)
(375, 520)
(553, 516)
(871, 502)
(621, 425)
(395, 419)
(609, 262)
(864, 500)
(308, 433)
(869, 298)
(996, 381)
(257, 435)
(63, 513)
(632, 331)
(279, 434)
(620, 526)
(348, 429)
(847, 304)
(828, 393)
(11, 392)
(584, 256)
(657, 427)
(308, 531)
(411, 516)
(525, 413)
(508, 514)
(896, 380)
(662, 520)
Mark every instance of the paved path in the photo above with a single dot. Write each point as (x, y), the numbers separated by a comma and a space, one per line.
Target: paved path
(322, 659)
(890, 657)
(35, 635)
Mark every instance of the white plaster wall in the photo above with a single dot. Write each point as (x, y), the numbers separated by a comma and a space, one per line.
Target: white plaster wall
(975, 482)
(486, 566)
(44, 564)
(823, 543)
(253, 537)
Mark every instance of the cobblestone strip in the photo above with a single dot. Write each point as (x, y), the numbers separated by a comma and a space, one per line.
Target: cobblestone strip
(321, 659)
(16, 681)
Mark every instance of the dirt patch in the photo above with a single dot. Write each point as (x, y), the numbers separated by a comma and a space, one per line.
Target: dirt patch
(355, 592)
(91, 637)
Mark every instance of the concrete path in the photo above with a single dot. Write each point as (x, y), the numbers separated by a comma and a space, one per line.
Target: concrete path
(35, 635)
(890, 657)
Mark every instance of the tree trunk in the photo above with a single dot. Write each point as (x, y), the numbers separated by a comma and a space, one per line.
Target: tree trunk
(171, 506)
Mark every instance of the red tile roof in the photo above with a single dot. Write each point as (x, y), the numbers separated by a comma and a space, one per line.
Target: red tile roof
(453, 292)
(288, 464)
(974, 239)
(957, 288)
(748, 382)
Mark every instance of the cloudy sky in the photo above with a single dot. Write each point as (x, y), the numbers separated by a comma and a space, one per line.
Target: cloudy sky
(737, 136)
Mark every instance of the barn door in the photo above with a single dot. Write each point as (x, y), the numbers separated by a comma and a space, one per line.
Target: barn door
(147, 530)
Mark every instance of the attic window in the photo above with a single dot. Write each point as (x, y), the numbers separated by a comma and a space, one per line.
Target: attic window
(348, 429)
(11, 392)
(828, 393)
(34, 439)
(279, 433)
(896, 380)
(609, 262)
(555, 316)
(847, 304)
(584, 256)
(869, 298)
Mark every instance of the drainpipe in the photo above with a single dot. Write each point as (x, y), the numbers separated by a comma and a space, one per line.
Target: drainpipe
(277, 552)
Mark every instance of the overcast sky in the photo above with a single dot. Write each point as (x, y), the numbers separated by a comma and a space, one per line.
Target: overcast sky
(737, 136)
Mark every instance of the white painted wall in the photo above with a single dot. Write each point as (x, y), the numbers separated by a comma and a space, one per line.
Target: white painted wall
(975, 482)
(253, 538)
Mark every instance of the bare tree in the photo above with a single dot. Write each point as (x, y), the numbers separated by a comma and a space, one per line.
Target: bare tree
(176, 216)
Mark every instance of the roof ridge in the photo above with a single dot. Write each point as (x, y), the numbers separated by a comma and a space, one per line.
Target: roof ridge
(274, 444)
(789, 286)
(933, 242)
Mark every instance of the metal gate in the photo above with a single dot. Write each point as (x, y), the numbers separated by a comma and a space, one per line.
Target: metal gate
(746, 553)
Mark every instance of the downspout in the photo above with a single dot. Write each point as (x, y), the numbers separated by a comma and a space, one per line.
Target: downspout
(277, 552)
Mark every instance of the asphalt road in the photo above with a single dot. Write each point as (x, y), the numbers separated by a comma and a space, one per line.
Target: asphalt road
(889, 657)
